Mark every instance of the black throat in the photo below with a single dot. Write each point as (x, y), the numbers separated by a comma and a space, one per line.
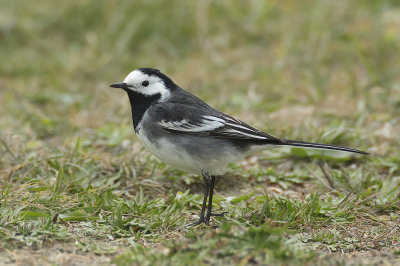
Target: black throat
(139, 104)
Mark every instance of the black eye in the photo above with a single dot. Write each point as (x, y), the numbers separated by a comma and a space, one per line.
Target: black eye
(145, 83)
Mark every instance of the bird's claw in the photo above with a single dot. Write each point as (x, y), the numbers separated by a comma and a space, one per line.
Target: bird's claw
(206, 219)
(200, 221)
(208, 215)
(221, 214)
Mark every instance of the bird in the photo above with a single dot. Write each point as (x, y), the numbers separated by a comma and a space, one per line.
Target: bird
(185, 132)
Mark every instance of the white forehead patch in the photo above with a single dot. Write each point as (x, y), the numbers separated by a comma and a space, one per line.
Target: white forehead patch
(156, 86)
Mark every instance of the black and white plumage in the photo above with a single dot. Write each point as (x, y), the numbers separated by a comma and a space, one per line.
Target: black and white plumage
(185, 132)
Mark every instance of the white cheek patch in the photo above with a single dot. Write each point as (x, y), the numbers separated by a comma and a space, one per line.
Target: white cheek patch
(153, 89)
(156, 85)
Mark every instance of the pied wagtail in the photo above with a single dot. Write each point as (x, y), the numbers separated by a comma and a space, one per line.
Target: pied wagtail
(185, 132)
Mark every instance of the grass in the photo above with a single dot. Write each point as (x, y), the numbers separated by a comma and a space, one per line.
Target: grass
(75, 181)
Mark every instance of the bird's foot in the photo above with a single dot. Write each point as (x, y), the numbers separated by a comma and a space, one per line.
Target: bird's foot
(209, 214)
(221, 214)
(206, 219)
(200, 221)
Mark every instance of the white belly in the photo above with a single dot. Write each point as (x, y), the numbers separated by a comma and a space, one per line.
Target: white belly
(170, 153)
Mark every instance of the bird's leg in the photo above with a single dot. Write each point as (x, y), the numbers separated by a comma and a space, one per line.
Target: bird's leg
(210, 197)
(207, 183)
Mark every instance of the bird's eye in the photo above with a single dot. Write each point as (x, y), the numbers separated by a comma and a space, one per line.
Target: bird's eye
(145, 83)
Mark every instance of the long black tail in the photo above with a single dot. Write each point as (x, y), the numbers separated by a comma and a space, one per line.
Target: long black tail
(297, 143)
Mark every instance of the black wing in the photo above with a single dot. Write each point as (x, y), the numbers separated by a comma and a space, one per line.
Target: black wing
(216, 124)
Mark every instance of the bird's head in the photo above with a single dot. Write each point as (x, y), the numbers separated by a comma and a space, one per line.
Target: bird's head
(148, 82)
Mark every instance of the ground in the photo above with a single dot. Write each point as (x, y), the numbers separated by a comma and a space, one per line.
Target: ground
(77, 188)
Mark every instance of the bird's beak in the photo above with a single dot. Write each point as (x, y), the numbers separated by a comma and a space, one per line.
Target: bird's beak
(121, 85)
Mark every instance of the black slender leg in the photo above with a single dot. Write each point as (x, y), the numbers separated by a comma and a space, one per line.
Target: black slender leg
(210, 197)
(207, 183)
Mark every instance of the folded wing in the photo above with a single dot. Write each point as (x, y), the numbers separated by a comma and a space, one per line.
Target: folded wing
(223, 126)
